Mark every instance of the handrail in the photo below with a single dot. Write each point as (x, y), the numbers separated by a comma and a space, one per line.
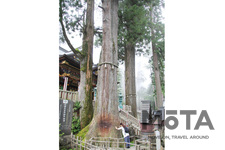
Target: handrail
(88, 144)
(127, 108)
(112, 137)
(129, 118)
(110, 142)
(68, 95)
(75, 92)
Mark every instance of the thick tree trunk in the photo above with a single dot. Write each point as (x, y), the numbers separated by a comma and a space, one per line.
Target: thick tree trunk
(106, 106)
(85, 88)
(130, 82)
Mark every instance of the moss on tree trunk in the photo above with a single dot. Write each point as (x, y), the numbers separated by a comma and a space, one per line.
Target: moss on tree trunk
(85, 91)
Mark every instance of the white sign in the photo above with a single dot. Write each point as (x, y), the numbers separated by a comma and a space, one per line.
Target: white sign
(65, 101)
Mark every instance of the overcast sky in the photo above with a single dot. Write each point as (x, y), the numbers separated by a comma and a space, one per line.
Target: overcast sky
(141, 61)
(77, 40)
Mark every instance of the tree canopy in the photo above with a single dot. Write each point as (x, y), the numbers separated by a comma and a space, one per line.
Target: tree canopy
(133, 21)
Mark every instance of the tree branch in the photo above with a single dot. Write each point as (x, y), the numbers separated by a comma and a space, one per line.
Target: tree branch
(76, 52)
(101, 7)
(97, 32)
(80, 25)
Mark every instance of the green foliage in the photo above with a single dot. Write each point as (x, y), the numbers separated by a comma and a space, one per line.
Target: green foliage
(68, 13)
(132, 143)
(83, 132)
(76, 121)
(133, 21)
(75, 125)
(98, 39)
(72, 13)
(157, 26)
(76, 106)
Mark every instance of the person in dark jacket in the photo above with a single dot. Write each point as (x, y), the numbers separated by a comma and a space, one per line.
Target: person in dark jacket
(125, 135)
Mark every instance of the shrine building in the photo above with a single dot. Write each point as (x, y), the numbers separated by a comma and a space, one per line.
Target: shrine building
(69, 66)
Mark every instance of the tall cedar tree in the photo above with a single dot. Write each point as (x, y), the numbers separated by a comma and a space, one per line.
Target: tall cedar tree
(106, 108)
(157, 41)
(85, 55)
(132, 34)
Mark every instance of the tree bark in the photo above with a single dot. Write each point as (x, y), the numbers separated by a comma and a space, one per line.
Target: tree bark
(106, 106)
(159, 94)
(130, 82)
(85, 87)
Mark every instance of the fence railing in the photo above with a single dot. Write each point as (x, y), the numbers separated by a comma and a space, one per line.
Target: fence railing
(129, 119)
(103, 143)
(68, 95)
(138, 115)
(80, 144)
(127, 108)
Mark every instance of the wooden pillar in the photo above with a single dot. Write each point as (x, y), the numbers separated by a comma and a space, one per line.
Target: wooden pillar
(84, 144)
(77, 143)
(71, 142)
(80, 144)
(91, 143)
(135, 145)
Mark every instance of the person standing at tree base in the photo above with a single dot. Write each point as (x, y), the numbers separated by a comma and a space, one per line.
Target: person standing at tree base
(125, 133)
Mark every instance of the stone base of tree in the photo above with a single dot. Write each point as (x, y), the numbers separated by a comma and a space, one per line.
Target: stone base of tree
(65, 141)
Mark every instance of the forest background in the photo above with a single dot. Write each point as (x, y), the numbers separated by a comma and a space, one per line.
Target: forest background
(29, 34)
